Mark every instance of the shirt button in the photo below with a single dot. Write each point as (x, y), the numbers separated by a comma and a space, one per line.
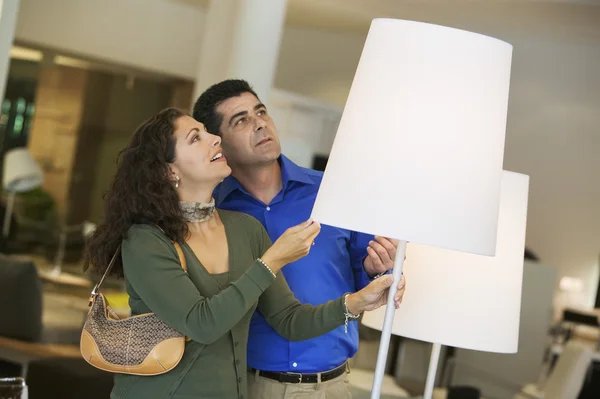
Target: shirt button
(295, 364)
(236, 343)
(240, 379)
(237, 362)
(268, 208)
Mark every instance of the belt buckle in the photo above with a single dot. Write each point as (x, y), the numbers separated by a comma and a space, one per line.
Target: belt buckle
(298, 374)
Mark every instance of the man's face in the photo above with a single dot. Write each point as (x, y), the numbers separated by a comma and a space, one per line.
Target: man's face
(248, 132)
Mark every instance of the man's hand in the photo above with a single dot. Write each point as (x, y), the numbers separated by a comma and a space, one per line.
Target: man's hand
(382, 253)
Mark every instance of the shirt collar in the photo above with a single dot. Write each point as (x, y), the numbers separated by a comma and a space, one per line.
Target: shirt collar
(290, 172)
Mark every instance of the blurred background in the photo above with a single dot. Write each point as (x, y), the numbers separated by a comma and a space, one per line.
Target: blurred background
(78, 76)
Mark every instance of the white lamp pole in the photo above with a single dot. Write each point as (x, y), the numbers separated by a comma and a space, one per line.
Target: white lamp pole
(388, 321)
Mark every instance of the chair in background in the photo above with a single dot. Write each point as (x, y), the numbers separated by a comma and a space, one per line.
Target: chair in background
(20, 300)
(567, 376)
(573, 319)
(20, 306)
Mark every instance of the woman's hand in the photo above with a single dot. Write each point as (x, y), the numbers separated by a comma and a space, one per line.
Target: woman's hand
(375, 295)
(294, 244)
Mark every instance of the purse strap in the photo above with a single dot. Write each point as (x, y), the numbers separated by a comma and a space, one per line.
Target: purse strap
(96, 289)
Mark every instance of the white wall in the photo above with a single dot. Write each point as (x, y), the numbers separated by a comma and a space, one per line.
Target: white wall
(554, 136)
(553, 131)
(318, 63)
(157, 35)
(305, 126)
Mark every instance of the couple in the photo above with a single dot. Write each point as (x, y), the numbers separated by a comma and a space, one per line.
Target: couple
(164, 190)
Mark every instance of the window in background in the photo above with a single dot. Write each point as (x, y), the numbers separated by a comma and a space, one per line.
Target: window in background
(18, 105)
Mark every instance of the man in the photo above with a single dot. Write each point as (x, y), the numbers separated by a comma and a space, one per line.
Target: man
(270, 187)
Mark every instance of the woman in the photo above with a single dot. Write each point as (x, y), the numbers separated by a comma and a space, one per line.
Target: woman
(162, 193)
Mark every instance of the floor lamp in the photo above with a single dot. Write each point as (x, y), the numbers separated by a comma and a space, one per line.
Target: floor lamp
(419, 149)
(21, 174)
(465, 300)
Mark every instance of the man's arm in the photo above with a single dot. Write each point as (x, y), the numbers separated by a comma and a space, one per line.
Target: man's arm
(370, 257)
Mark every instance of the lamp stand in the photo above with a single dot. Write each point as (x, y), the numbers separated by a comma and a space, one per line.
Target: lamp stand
(8, 213)
(433, 364)
(386, 332)
(60, 253)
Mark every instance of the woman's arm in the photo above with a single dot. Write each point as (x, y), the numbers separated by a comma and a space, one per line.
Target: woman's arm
(281, 309)
(152, 268)
(295, 321)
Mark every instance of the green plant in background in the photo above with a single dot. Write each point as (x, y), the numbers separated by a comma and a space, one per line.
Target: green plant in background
(37, 206)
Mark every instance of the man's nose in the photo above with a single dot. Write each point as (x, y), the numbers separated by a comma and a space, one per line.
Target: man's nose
(259, 124)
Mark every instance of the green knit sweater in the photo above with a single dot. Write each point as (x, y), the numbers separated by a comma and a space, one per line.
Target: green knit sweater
(213, 310)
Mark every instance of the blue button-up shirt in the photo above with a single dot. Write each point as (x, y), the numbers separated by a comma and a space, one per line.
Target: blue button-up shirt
(333, 267)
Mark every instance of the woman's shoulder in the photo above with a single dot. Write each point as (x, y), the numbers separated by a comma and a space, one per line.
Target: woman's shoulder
(142, 234)
(144, 243)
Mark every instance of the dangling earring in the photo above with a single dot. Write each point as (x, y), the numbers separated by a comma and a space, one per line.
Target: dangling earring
(177, 182)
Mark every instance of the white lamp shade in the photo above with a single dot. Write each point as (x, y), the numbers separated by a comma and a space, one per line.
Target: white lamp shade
(419, 149)
(21, 172)
(466, 300)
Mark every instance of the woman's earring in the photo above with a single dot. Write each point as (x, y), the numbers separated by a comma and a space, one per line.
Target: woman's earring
(177, 182)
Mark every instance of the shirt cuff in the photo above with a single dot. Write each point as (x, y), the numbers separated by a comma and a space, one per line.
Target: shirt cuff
(380, 274)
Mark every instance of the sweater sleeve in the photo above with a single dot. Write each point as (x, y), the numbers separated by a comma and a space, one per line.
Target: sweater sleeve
(152, 268)
(291, 319)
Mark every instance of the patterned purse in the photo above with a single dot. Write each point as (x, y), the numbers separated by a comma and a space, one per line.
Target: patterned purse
(138, 345)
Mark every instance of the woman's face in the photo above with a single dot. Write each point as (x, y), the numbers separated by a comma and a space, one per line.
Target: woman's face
(198, 157)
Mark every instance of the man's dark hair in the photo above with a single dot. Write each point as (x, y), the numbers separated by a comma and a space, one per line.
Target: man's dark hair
(205, 109)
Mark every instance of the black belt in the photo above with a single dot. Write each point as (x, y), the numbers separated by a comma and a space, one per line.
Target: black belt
(299, 378)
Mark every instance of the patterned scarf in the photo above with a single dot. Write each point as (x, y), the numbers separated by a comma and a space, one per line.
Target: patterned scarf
(197, 211)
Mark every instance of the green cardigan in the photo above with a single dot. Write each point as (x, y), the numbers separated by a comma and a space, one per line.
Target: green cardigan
(213, 310)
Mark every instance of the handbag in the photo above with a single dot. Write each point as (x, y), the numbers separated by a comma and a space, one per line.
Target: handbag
(138, 345)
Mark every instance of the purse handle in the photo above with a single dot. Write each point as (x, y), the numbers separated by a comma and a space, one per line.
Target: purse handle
(96, 289)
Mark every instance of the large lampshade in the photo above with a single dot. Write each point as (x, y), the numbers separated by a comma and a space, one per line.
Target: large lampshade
(465, 300)
(419, 149)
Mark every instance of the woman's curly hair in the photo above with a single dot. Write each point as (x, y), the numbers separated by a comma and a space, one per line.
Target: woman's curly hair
(141, 192)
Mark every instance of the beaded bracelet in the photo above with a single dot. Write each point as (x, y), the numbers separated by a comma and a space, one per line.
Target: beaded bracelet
(348, 315)
(267, 266)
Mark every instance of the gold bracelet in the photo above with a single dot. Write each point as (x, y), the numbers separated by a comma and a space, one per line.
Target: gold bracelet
(267, 266)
